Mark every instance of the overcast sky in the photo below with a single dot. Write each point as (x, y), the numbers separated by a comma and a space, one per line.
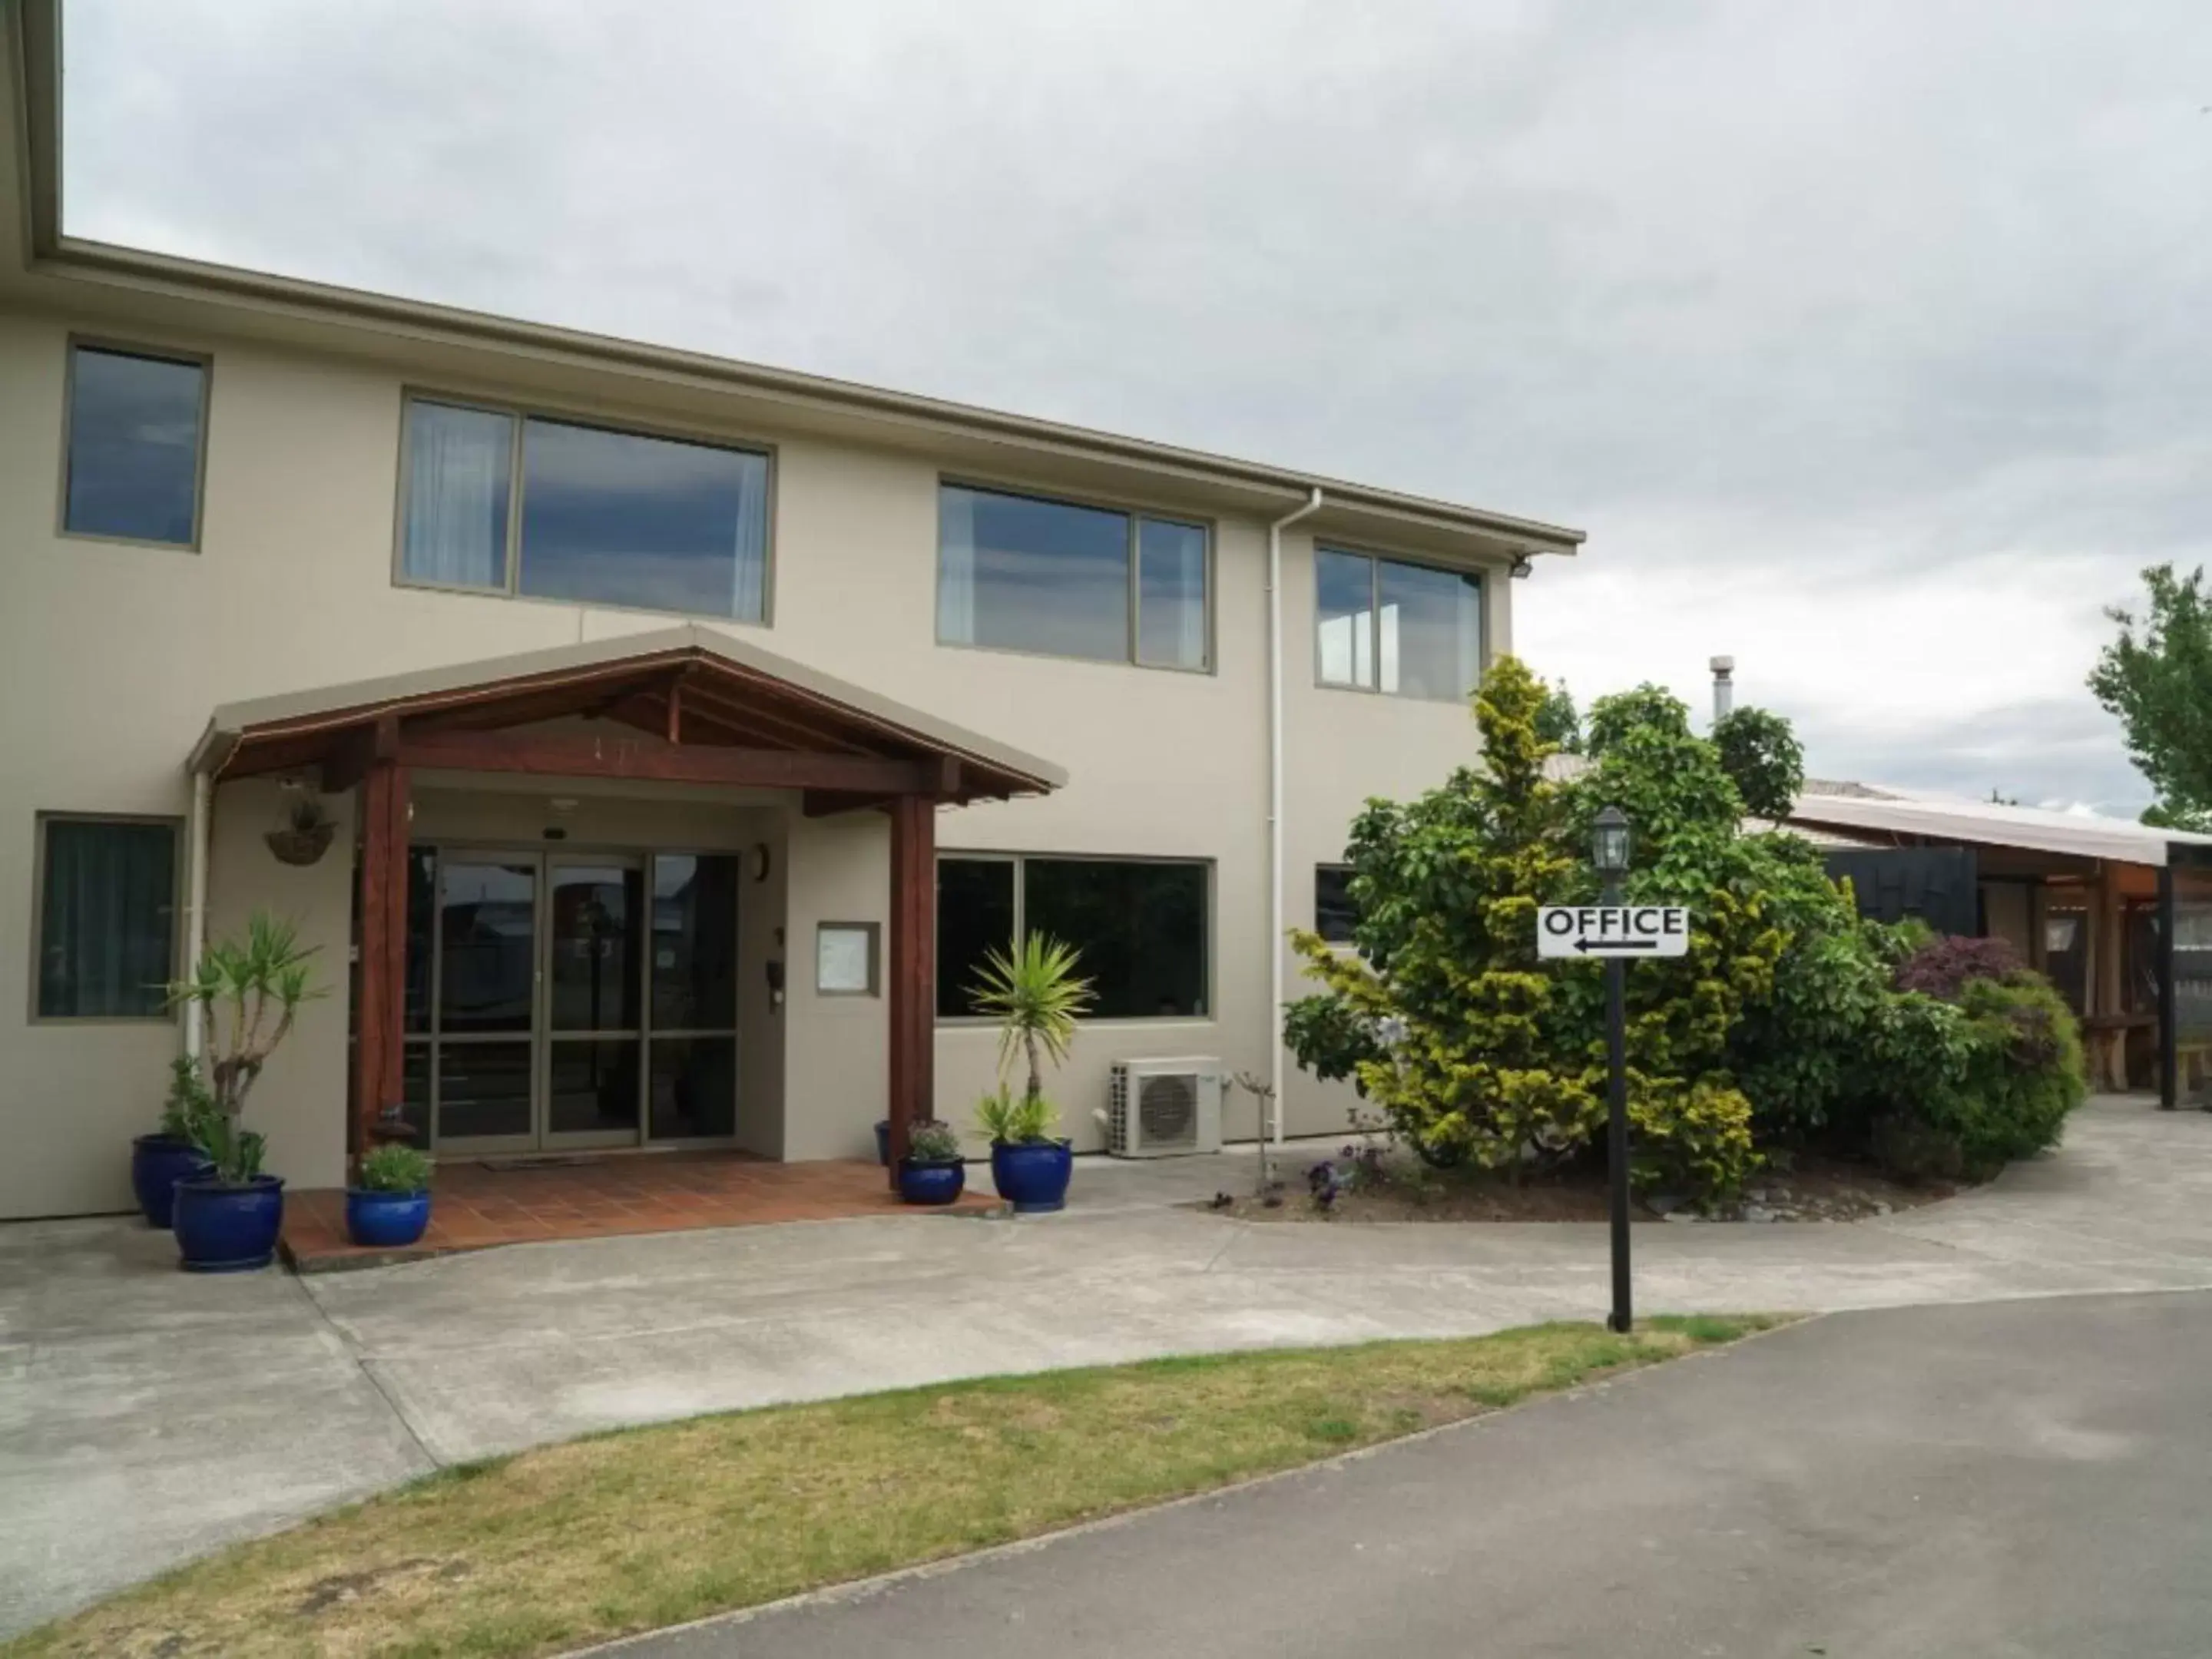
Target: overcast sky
(1868, 342)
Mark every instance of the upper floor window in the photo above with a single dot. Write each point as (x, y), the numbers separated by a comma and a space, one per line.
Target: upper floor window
(524, 504)
(1409, 630)
(1020, 573)
(135, 421)
(107, 897)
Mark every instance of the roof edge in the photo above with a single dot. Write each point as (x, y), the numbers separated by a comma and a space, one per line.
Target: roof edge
(340, 703)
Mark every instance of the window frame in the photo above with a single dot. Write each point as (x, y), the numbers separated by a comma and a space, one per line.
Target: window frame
(1019, 861)
(521, 414)
(1483, 574)
(175, 826)
(202, 361)
(1136, 513)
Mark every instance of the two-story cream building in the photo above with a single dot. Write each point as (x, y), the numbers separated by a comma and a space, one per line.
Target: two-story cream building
(689, 728)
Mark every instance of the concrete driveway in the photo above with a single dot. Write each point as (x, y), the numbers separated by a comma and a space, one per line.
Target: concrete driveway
(146, 1417)
(2010, 1481)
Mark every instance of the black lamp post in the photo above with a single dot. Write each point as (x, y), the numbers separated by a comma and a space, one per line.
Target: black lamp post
(1609, 849)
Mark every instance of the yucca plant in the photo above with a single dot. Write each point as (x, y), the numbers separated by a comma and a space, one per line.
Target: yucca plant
(251, 991)
(1036, 997)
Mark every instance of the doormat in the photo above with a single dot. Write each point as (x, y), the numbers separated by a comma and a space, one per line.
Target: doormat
(547, 1161)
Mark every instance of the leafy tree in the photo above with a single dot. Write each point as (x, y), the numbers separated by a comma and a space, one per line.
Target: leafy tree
(2157, 678)
(1444, 1018)
(1648, 706)
(1559, 722)
(1759, 752)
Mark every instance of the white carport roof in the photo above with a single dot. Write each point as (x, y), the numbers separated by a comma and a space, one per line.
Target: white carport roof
(1891, 813)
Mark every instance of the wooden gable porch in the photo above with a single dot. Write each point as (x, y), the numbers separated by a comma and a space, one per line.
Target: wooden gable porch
(686, 706)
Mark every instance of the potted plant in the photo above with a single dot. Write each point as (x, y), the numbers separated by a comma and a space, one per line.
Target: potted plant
(388, 1204)
(1037, 999)
(159, 1160)
(932, 1170)
(227, 1220)
(306, 837)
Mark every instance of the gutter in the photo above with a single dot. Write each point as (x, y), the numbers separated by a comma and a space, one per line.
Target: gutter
(1275, 806)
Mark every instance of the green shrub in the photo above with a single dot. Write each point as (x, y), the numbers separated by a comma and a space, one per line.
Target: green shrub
(2025, 1071)
(190, 1105)
(933, 1142)
(392, 1168)
(1962, 1088)
(1016, 1121)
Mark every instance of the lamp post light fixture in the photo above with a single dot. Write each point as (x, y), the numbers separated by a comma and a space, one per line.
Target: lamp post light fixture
(1609, 844)
(1609, 848)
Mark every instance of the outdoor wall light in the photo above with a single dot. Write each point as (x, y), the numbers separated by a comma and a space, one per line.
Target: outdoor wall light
(1609, 843)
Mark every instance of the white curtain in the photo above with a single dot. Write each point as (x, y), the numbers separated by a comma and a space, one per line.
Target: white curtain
(749, 592)
(458, 463)
(956, 566)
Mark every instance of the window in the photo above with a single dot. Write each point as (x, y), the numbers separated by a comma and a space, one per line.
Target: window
(134, 446)
(1407, 630)
(975, 916)
(522, 504)
(107, 897)
(1019, 574)
(1141, 929)
(1335, 913)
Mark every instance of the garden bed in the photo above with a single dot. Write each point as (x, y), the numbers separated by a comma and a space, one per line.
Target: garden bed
(1815, 1189)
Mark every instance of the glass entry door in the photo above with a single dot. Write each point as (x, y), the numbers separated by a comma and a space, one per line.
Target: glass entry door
(571, 1000)
(594, 1032)
(485, 976)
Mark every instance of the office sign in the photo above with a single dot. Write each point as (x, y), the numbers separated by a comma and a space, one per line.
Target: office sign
(1612, 930)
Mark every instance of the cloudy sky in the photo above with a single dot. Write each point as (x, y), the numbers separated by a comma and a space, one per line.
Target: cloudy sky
(1867, 342)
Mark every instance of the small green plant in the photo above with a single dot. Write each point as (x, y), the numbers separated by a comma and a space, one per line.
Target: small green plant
(394, 1168)
(234, 1151)
(188, 1105)
(1036, 999)
(1012, 1122)
(933, 1142)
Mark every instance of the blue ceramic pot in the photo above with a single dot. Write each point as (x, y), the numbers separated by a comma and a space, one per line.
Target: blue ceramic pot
(884, 1142)
(386, 1221)
(158, 1163)
(1032, 1175)
(226, 1229)
(932, 1183)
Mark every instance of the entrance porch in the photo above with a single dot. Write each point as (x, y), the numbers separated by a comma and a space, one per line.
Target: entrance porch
(480, 1204)
(649, 897)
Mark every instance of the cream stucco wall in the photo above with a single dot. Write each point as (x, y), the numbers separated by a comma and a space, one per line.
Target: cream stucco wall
(114, 655)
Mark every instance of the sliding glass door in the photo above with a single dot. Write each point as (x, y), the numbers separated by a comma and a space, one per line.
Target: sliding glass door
(485, 977)
(571, 1001)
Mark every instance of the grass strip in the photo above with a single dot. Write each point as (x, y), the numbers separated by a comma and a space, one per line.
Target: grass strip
(550, 1549)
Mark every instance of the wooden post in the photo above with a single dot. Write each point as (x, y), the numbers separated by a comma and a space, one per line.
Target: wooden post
(379, 1084)
(912, 977)
(371, 988)
(2169, 1013)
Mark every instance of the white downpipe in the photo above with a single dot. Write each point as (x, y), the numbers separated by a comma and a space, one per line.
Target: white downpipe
(195, 880)
(1275, 1003)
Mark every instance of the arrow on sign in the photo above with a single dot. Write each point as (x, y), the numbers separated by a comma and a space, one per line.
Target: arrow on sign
(1609, 946)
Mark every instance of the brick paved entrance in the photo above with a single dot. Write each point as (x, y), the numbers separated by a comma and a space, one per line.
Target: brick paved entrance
(479, 1204)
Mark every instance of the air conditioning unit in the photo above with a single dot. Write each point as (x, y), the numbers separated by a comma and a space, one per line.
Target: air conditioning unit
(1158, 1108)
